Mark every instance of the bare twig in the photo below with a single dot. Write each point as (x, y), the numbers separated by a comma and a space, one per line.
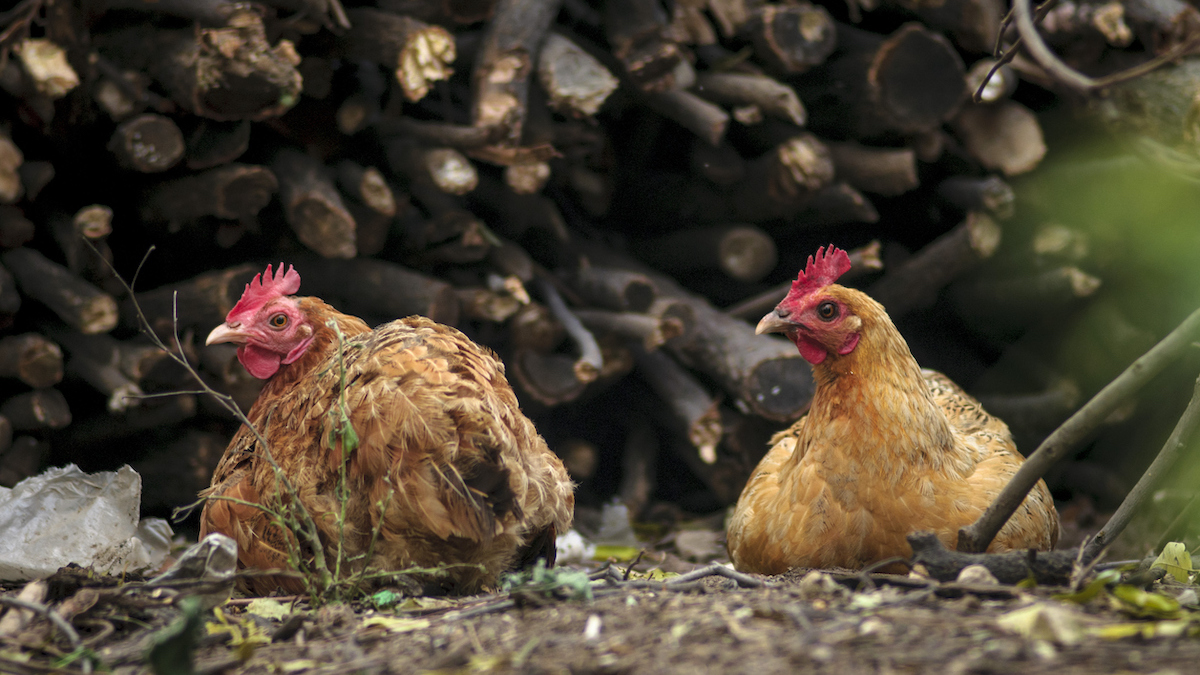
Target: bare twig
(1181, 437)
(977, 536)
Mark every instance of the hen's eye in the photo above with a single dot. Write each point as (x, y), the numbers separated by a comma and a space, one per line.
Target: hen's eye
(827, 311)
(278, 320)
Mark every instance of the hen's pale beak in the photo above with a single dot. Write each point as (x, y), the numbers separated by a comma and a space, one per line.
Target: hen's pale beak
(226, 333)
(772, 323)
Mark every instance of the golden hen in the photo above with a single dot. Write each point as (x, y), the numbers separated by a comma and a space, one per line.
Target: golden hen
(446, 468)
(886, 448)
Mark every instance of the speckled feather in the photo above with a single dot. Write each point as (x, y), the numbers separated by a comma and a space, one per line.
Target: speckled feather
(447, 466)
(886, 449)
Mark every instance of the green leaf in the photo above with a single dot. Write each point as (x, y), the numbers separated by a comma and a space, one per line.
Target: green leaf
(1176, 560)
(385, 598)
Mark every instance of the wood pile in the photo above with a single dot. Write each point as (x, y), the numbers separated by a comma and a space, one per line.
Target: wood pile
(609, 194)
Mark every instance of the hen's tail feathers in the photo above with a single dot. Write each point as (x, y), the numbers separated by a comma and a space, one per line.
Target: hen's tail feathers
(541, 545)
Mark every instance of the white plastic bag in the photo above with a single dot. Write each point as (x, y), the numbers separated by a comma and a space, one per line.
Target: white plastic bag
(67, 516)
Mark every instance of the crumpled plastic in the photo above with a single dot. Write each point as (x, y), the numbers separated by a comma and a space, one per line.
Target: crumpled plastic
(67, 516)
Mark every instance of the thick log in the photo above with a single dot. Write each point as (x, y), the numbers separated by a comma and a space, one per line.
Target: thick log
(443, 11)
(32, 359)
(783, 181)
(990, 194)
(720, 164)
(741, 89)
(46, 67)
(232, 191)
(1006, 137)
(637, 32)
(37, 409)
(200, 302)
(74, 300)
(883, 171)
(148, 143)
(791, 39)
(638, 468)
(868, 86)
(484, 304)
(504, 64)
(1051, 568)
(214, 143)
(312, 205)
(377, 288)
(223, 73)
(439, 134)
(1006, 304)
(836, 204)
(206, 12)
(649, 331)
(613, 288)
(971, 24)
(576, 84)
(418, 53)
(691, 112)
(549, 378)
(22, 459)
(692, 409)
(105, 429)
(743, 252)
(15, 229)
(917, 281)
(533, 328)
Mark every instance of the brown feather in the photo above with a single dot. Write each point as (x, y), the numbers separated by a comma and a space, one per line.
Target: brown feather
(886, 449)
(447, 468)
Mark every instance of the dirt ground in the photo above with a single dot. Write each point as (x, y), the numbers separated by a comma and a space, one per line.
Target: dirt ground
(837, 623)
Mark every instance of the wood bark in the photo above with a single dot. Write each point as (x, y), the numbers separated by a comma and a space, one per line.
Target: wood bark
(74, 300)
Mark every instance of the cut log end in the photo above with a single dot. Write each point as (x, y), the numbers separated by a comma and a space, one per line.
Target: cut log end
(919, 79)
(779, 389)
(425, 59)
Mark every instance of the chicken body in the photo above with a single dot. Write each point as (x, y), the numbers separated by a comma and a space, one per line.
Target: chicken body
(886, 449)
(447, 470)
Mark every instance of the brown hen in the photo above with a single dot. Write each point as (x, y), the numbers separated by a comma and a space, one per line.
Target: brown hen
(447, 470)
(885, 450)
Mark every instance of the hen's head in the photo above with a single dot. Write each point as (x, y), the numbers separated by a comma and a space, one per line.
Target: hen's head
(267, 324)
(817, 314)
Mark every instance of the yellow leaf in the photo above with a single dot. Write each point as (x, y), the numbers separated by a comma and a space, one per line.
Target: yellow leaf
(1144, 603)
(621, 553)
(268, 609)
(1117, 631)
(1176, 560)
(297, 665)
(396, 624)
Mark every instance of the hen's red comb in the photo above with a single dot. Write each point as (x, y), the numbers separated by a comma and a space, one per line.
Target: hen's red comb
(264, 288)
(824, 269)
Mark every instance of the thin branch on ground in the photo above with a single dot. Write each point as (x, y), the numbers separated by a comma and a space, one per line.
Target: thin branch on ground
(978, 536)
(55, 619)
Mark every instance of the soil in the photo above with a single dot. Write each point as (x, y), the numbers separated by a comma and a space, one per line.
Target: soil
(835, 623)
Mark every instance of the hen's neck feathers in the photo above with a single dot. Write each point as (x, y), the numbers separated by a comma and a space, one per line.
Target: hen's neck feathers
(874, 400)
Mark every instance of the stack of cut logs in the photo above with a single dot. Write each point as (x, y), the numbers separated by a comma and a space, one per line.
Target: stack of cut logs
(609, 194)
